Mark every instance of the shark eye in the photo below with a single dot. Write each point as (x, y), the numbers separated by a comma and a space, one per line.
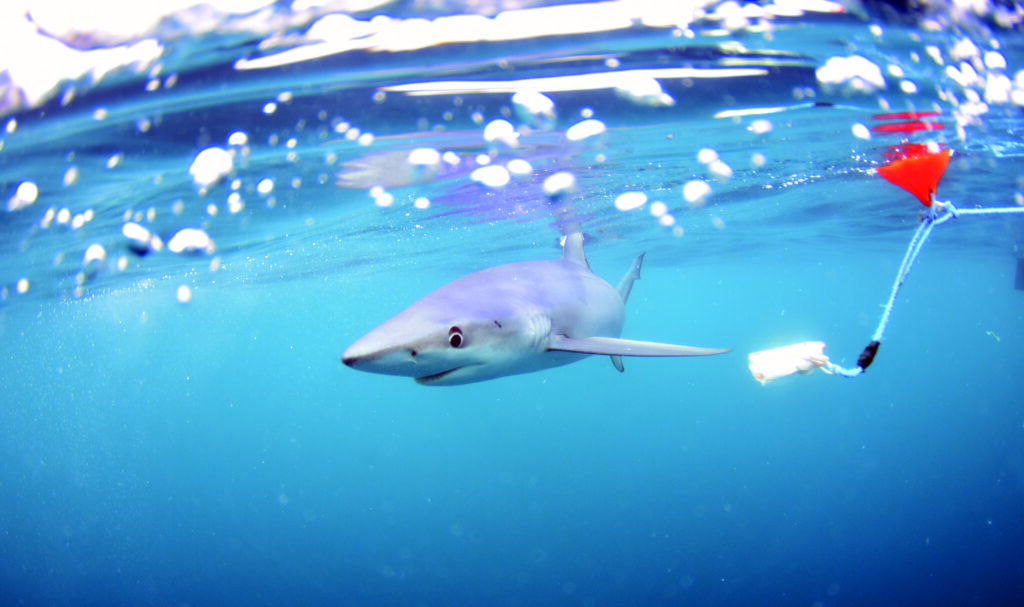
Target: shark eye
(455, 339)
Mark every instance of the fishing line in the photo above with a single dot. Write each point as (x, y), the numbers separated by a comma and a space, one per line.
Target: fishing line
(917, 170)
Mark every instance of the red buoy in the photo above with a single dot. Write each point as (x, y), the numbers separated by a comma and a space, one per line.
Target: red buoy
(916, 170)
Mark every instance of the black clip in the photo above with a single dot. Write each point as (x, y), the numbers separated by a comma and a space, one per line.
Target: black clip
(868, 355)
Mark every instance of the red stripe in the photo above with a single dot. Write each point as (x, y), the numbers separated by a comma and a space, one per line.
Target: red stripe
(907, 127)
(905, 115)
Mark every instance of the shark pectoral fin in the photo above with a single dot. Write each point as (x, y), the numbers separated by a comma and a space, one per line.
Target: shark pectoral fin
(617, 361)
(611, 346)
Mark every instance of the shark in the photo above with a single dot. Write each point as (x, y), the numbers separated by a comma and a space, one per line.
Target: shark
(510, 319)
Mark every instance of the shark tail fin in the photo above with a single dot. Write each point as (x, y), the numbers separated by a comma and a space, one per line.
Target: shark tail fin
(626, 284)
(572, 249)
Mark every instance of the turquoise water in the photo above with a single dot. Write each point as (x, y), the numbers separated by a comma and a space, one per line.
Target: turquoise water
(177, 428)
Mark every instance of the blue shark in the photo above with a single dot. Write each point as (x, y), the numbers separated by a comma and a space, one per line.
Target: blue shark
(510, 319)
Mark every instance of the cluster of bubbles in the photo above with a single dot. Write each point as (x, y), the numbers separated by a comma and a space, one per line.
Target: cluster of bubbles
(138, 238)
(499, 165)
(221, 181)
(695, 192)
(967, 76)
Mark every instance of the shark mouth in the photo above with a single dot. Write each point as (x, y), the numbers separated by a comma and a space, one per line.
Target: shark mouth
(427, 380)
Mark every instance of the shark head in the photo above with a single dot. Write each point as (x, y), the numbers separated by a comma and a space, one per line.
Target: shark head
(440, 344)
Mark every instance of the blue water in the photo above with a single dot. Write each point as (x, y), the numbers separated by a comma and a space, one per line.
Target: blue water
(215, 451)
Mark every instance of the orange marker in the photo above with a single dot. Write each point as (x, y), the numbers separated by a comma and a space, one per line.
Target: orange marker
(917, 171)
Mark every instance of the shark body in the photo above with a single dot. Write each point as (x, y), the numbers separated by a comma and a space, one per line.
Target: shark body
(510, 319)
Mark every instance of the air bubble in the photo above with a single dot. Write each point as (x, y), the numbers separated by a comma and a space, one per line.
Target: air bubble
(720, 169)
(501, 132)
(627, 201)
(94, 257)
(190, 240)
(559, 184)
(534, 108)
(381, 197)
(644, 91)
(210, 165)
(519, 167)
(493, 176)
(585, 130)
(995, 60)
(235, 203)
(424, 157)
(696, 191)
(25, 195)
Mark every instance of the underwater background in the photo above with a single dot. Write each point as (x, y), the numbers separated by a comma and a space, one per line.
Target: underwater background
(204, 205)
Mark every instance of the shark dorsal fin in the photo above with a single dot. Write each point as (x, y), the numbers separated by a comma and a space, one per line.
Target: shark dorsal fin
(572, 249)
(633, 274)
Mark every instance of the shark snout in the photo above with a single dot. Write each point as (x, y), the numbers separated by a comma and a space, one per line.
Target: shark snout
(371, 355)
(351, 359)
(363, 356)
